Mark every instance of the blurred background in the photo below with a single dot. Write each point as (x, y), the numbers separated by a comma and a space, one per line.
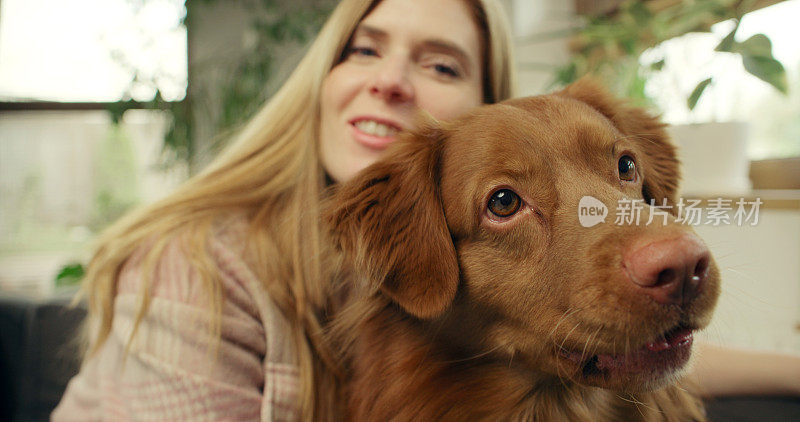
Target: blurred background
(106, 104)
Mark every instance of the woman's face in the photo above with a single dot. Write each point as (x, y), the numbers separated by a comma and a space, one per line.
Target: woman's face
(404, 55)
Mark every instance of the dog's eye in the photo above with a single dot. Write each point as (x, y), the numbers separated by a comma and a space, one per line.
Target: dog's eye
(627, 168)
(504, 203)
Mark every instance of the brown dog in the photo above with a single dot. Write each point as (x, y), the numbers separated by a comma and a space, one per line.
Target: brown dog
(479, 294)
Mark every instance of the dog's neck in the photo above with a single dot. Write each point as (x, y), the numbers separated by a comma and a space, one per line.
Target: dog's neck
(396, 372)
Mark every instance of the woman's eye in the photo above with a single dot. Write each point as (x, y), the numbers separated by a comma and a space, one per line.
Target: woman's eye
(504, 203)
(362, 51)
(627, 168)
(446, 70)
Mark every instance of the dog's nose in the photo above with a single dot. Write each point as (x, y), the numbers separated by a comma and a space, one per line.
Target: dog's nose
(670, 271)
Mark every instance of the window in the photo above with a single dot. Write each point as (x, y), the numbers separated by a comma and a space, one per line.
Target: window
(90, 50)
(66, 170)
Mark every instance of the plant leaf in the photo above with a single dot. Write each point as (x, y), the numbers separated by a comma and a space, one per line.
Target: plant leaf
(727, 44)
(757, 45)
(758, 60)
(70, 274)
(657, 65)
(698, 91)
(565, 75)
(768, 70)
(640, 13)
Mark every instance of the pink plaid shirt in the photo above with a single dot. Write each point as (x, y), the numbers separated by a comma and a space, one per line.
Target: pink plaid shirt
(170, 372)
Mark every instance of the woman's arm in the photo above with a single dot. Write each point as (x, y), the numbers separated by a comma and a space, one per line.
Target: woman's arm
(722, 371)
(175, 369)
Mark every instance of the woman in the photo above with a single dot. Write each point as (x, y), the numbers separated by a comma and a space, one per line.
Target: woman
(226, 298)
(210, 304)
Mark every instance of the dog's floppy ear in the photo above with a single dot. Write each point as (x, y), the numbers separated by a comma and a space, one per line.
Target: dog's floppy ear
(390, 223)
(661, 166)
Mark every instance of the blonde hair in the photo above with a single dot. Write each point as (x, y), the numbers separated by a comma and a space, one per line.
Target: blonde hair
(271, 173)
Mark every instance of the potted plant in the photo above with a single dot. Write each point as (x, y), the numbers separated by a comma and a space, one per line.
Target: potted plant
(611, 45)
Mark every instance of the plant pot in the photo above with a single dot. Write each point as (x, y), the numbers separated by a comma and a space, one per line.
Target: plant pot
(714, 158)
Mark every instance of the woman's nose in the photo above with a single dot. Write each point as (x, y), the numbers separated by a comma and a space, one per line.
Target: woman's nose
(391, 82)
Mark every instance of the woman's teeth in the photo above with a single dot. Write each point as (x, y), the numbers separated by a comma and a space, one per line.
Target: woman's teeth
(374, 128)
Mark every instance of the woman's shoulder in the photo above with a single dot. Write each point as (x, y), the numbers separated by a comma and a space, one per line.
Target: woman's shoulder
(173, 366)
(186, 286)
(178, 276)
(173, 265)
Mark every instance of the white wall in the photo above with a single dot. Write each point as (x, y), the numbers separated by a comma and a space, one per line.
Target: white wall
(539, 51)
(760, 266)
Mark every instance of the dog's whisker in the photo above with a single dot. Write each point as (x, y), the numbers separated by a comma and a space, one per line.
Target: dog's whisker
(745, 275)
(561, 346)
(561, 377)
(563, 318)
(585, 346)
(589, 341)
(742, 269)
(748, 299)
(720, 258)
(599, 330)
(560, 320)
(638, 403)
(569, 312)
(681, 388)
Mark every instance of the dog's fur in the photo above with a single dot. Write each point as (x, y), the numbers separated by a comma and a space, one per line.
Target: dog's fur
(451, 315)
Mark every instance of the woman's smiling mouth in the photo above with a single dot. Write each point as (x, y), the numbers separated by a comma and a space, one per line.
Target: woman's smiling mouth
(374, 133)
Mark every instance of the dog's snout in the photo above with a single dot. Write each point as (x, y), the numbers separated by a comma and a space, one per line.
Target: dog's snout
(670, 271)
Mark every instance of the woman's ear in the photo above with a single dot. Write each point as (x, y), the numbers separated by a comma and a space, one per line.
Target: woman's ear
(390, 224)
(661, 165)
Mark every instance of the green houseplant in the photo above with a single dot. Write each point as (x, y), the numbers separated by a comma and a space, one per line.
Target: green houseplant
(610, 45)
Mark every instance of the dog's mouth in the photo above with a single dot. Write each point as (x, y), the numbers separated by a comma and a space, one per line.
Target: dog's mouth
(657, 359)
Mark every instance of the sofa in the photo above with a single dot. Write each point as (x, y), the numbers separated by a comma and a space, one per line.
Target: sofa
(38, 353)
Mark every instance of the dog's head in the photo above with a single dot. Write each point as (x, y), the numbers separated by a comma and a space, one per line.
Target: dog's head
(474, 225)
